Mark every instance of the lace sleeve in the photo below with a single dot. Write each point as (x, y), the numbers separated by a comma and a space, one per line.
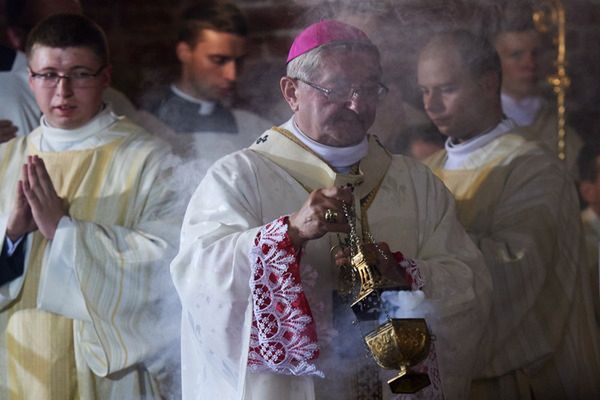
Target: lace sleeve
(283, 338)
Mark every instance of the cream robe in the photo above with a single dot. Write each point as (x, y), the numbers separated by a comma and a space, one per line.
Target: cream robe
(105, 331)
(521, 208)
(411, 211)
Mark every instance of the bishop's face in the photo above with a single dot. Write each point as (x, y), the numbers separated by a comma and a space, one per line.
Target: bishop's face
(338, 123)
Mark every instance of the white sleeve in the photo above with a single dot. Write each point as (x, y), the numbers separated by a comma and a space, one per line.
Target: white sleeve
(59, 286)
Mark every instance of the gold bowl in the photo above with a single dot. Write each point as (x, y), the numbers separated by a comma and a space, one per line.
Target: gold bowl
(399, 344)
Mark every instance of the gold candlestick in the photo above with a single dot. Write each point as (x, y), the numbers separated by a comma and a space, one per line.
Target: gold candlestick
(549, 17)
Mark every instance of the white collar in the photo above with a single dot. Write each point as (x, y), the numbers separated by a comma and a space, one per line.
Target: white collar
(341, 159)
(84, 137)
(206, 107)
(522, 111)
(459, 152)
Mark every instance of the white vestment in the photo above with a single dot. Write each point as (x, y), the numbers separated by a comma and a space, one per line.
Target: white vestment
(17, 103)
(242, 192)
(93, 316)
(520, 207)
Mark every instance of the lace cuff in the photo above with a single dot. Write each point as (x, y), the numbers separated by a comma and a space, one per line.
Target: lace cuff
(411, 271)
(283, 337)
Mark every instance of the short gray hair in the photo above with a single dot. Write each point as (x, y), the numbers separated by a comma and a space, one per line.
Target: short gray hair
(304, 66)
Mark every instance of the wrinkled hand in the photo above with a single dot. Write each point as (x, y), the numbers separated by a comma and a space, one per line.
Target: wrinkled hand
(20, 221)
(7, 130)
(309, 222)
(388, 267)
(46, 207)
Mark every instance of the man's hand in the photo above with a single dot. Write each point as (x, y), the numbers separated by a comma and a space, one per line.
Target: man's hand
(7, 130)
(310, 223)
(20, 221)
(46, 207)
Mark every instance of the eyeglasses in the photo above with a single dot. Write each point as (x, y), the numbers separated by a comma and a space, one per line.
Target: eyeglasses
(77, 78)
(374, 91)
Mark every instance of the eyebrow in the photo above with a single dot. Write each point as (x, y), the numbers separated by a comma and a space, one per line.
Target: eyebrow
(70, 69)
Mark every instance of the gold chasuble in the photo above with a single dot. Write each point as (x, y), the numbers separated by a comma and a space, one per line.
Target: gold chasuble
(114, 248)
(520, 207)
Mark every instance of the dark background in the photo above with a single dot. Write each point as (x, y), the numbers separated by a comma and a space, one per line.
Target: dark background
(141, 37)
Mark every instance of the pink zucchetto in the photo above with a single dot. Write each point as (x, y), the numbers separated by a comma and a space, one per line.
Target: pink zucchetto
(325, 32)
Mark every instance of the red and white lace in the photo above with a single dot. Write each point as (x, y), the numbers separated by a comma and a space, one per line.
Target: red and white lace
(283, 338)
(411, 271)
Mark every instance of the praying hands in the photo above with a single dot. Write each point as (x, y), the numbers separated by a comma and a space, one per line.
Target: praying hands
(37, 205)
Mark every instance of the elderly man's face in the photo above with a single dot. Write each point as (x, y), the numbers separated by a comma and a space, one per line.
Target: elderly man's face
(338, 123)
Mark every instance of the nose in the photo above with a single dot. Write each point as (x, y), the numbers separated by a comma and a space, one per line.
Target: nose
(63, 87)
(357, 103)
(230, 71)
(432, 102)
(530, 61)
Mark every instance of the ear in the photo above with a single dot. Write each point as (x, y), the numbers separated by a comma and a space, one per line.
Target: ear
(289, 91)
(587, 191)
(106, 76)
(30, 80)
(183, 52)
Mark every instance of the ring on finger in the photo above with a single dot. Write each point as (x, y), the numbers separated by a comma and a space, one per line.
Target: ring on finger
(331, 216)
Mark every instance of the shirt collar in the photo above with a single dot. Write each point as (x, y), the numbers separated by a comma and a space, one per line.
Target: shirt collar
(206, 107)
(57, 137)
(458, 152)
(522, 111)
(340, 159)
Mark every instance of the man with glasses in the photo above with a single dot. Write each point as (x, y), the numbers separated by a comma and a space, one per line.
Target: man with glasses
(256, 271)
(87, 228)
(19, 114)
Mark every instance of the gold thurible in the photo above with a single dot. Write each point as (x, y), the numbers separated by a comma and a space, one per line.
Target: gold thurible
(399, 343)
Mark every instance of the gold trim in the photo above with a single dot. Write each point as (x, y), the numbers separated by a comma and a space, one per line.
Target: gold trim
(294, 139)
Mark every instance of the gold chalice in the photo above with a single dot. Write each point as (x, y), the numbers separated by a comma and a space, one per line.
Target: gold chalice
(400, 344)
